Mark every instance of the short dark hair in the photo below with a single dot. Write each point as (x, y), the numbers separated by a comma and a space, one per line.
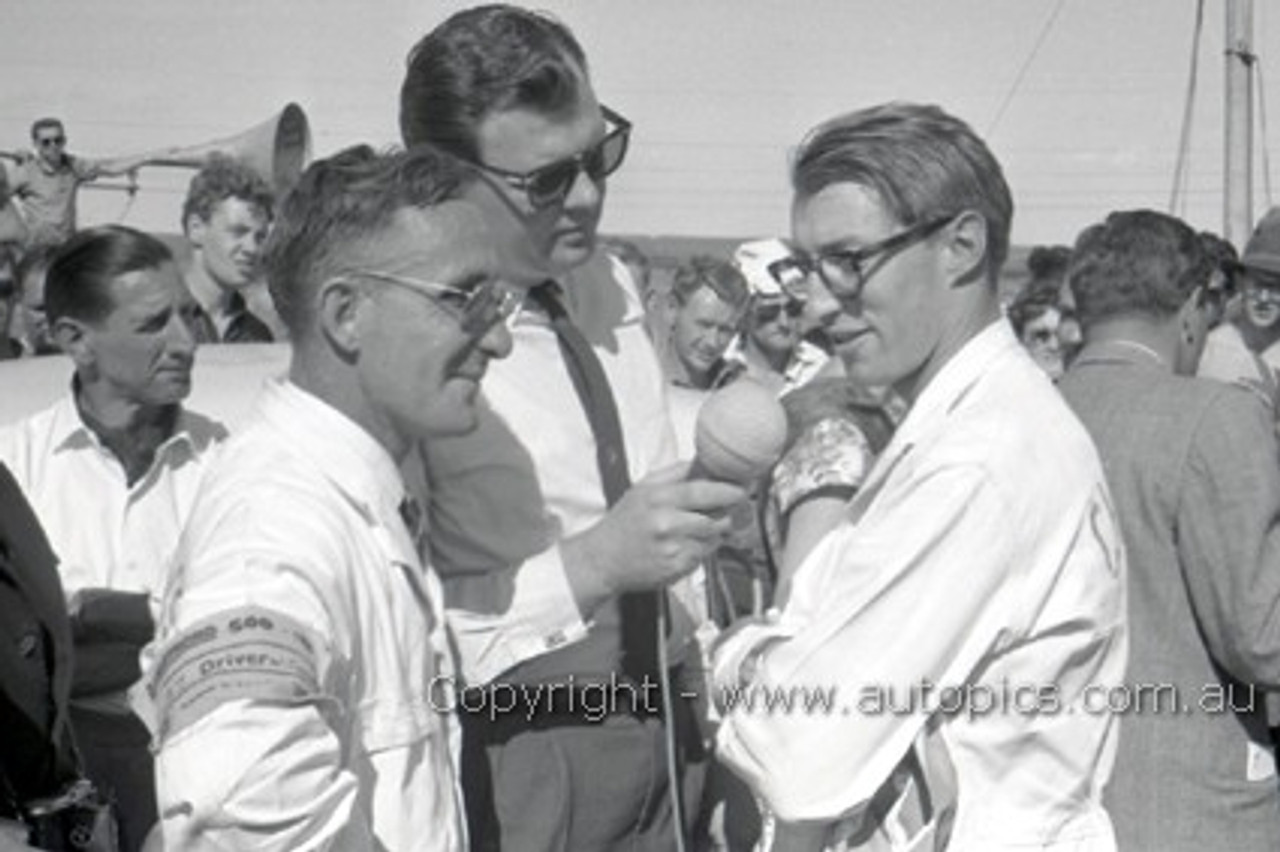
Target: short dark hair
(220, 178)
(919, 160)
(341, 202)
(41, 123)
(720, 276)
(78, 282)
(1048, 263)
(483, 60)
(1136, 263)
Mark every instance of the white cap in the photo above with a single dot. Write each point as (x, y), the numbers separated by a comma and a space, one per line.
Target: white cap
(753, 260)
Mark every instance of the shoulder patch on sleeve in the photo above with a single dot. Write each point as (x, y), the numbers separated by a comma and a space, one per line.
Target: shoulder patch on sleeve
(248, 652)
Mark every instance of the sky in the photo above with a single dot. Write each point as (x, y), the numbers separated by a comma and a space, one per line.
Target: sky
(1081, 100)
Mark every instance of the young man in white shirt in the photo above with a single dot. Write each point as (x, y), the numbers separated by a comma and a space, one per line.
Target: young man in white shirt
(971, 598)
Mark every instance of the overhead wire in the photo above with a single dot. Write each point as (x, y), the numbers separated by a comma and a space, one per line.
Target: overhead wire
(1183, 163)
(1262, 133)
(1026, 66)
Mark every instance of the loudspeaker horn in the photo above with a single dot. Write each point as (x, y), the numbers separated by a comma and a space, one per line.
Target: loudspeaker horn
(278, 149)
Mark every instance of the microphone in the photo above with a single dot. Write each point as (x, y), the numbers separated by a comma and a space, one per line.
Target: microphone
(741, 432)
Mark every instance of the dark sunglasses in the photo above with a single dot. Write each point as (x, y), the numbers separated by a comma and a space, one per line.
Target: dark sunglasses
(550, 184)
(50, 141)
(770, 311)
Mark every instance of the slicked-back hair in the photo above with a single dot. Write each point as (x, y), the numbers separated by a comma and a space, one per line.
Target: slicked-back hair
(722, 277)
(341, 203)
(220, 178)
(1136, 263)
(78, 281)
(920, 161)
(483, 60)
(41, 123)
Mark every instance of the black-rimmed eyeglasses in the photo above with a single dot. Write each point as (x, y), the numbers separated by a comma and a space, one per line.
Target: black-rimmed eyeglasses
(550, 184)
(845, 271)
(477, 309)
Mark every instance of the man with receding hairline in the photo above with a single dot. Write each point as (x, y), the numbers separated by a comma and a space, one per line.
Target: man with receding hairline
(303, 681)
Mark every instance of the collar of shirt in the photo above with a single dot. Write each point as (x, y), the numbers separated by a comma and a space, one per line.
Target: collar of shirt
(953, 381)
(1126, 352)
(70, 432)
(347, 455)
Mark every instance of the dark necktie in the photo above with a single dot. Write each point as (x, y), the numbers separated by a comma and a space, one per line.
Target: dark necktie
(244, 327)
(639, 610)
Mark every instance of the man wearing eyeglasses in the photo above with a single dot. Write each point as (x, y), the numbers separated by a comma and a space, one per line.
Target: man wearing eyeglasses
(1245, 350)
(970, 601)
(557, 518)
(45, 182)
(302, 678)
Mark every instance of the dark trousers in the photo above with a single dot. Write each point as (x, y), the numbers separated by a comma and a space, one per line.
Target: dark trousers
(117, 758)
(575, 786)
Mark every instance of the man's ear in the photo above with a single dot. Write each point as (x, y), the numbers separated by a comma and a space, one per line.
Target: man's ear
(965, 248)
(340, 306)
(73, 338)
(194, 227)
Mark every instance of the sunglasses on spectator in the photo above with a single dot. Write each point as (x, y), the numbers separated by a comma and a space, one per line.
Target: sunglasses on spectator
(549, 185)
(477, 309)
(770, 311)
(49, 141)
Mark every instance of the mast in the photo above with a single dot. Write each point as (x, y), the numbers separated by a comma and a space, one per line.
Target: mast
(1238, 169)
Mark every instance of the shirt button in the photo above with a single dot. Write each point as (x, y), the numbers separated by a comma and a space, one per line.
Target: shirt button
(27, 644)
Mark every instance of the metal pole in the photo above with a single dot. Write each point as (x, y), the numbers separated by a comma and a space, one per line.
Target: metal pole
(1238, 171)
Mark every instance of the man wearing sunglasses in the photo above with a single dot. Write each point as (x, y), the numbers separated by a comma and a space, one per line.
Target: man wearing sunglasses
(772, 346)
(554, 522)
(45, 182)
(303, 678)
(970, 600)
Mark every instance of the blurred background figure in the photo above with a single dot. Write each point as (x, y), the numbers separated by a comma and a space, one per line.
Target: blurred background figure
(1036, 317)
(1248, 325)
(1047, 266)
(45, 180)
(651, 289)
(31, 323)
(708, 299)
(771, 347)
(10, 346)
(226, 217)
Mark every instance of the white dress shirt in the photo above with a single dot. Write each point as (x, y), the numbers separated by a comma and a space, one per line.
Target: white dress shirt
(504, 496)
(107, 533)
(980, 554)
(301, 671)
